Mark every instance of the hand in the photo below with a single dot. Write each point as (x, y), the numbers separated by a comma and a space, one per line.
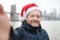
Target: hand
(4, 25)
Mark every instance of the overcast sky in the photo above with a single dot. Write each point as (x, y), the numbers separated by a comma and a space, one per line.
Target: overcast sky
(43, 4)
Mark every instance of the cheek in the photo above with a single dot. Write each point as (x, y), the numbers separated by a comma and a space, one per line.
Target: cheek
(29, 18)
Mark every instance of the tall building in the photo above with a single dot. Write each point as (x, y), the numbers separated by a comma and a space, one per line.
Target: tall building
(13, 14)
(44, 15)
(53, 14)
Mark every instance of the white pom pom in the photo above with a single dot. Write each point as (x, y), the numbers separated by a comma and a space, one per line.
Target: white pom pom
(21, 19)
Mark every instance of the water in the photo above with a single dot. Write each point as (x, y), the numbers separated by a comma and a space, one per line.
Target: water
(52, 28)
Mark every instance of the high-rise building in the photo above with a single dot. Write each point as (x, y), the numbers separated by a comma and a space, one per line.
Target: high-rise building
(14, 15)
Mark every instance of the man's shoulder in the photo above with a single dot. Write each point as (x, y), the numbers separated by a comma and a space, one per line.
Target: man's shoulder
(43, 31)
(19, 30)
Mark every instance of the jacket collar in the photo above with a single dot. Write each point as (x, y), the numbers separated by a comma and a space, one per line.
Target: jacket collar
(28, 27)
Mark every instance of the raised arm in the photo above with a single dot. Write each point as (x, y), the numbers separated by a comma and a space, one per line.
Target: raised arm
(4, 25)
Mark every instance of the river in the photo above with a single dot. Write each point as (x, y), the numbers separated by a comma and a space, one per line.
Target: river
(52, 28)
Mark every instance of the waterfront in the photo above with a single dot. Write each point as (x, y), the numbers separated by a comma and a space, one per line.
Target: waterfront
(52, 28)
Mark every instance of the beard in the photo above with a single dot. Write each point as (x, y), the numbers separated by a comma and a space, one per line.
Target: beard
(35, 23)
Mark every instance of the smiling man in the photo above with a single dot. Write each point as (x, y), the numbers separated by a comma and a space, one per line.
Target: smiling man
(31, 28)
(34, 18)
(31, 25)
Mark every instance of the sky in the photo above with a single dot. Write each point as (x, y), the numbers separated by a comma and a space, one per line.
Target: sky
(43, 4)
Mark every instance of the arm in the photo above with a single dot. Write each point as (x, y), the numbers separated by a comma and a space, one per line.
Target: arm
(4, 25)
(15, 34)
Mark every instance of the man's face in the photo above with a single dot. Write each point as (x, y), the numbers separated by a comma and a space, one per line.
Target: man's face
(34, 18)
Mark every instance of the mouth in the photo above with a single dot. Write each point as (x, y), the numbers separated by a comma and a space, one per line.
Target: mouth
(35, 23)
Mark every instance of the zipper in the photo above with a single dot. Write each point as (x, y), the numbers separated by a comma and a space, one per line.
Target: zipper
(37, 31)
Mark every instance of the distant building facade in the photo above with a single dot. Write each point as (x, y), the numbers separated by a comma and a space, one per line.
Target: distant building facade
(13, 14)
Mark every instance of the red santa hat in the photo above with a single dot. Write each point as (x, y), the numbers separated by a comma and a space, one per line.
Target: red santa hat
(27, 9)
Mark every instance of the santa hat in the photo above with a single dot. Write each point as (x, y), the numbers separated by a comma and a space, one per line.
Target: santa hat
(27, 9)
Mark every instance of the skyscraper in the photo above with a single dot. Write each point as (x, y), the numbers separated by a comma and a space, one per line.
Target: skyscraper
(14, 15)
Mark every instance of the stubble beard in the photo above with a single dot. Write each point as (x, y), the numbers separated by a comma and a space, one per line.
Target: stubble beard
(35, 24)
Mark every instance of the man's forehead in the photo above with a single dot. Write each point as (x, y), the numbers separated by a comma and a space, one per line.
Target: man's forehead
(37, 12)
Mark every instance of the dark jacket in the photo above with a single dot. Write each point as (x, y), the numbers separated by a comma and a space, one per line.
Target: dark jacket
(27, 32)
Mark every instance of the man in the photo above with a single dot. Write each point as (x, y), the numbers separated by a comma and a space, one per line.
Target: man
(4, 25)
(31, 28)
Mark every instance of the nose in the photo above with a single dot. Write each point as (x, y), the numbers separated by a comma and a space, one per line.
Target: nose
(35, 18)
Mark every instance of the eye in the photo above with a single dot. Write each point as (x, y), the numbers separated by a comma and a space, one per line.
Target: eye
(38, 16)
(31, 15)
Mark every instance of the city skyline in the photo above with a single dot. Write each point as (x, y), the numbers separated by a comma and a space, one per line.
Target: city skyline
(43, 4)
(52, 15)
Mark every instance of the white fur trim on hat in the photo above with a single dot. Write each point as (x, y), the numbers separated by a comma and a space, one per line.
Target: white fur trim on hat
(30, 10)
(22, 19)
